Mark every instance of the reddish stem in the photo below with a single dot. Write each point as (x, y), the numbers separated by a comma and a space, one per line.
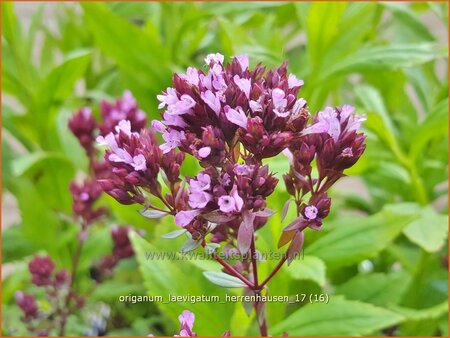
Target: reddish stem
(231, 270)
(274, 271)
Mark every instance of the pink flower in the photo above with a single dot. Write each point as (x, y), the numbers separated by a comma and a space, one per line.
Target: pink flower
(230, 203)
(139, 163)
(158, 126)
(279, 102)
(202, 183)
(243, 84)
(184, 217)
(211, 100)
(327, 122)
(204, 152)
(183, 106)
(174, 120)
(243, 61)
(237, 117)
(199, 199)
(173, 139)
(294, 82)
(311, 212)
(214, 58)
(168, 98)
(191, 76)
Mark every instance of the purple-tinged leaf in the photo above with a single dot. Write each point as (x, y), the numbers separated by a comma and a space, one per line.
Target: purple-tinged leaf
(223, 279)
(286, 237)
(261, 312)
(153, 214)
(297, 224)
(174, 234)
(245, 232)
(248, 306)
(217, 217)
(264, 213)
(296, 246)
(286, 209)
(180, 192)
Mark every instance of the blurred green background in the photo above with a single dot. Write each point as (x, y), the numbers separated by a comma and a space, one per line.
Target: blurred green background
(382, 255)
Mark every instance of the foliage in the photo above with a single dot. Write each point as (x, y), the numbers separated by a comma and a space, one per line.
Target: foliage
(380, 258)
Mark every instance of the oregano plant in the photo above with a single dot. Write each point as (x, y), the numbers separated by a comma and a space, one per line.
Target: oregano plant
(231, 118)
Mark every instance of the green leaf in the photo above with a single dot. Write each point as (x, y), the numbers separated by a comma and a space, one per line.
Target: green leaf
(14, 245)
(322, 26)
(433, 312)
(180, 277)
(390, 57)
(429, 231)
(152, 214)
(309, 268)
(361, 238)
(376, 288)
(61, 81)
(223, 279)
(174, 234)
(139, 53)
(112, 290)
(39, 224)
(434, 126)
(340, 317)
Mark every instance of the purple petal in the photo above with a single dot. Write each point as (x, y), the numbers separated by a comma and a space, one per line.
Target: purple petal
(237, 117)
(184, 217)
(204, 152)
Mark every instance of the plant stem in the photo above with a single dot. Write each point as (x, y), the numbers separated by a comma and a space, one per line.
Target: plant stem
(254, 263)
(75, 262)
(230, 269)
(274, 271)
(262, 325)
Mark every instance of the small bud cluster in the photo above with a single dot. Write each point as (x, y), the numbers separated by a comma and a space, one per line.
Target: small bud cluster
(86, 128)
(57, 286)
(121, 249)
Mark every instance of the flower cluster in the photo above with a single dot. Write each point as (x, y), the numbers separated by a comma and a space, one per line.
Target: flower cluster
(136, 160)
(187, 319)
(208, 114)
(231, 118)
(84, 197)
(86, 128)
(57, 286)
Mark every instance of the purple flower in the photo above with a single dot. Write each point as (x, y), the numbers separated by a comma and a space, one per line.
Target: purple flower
(199, 199)
(243, 62)
(214, 58)
(204, 152)
(184, 217)
(243, 84)
(327, 122)
(230, 203)
(279, 102)
(191, 76)
(202, 183)
(168, 98)
(173, 139)
(124, 108)
(311, 212)
(294, 82)
(212, 100)
(237, 117)
(242, 169)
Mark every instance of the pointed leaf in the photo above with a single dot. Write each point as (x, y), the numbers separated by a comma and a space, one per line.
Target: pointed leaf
(224, 280)
(174, 234)
(153, 214)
